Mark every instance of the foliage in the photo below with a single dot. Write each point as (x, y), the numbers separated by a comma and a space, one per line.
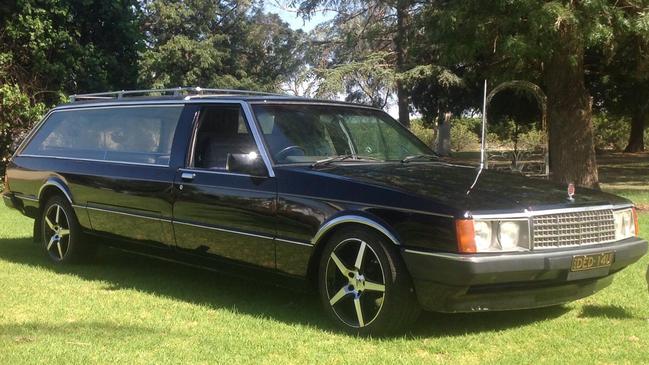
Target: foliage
(17, 116)
(463, 135)
(49, 48)
(226, 44)
(369, 80)
(52, 46)
(611, 133)
(361, 34)
(419, 129)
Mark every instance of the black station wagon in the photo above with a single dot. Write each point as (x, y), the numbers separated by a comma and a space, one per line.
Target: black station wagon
(339, 195)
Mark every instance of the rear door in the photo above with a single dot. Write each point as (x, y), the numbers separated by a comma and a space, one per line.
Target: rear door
(216, 212)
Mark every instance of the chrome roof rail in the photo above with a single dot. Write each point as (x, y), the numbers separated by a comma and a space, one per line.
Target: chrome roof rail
(166, 92)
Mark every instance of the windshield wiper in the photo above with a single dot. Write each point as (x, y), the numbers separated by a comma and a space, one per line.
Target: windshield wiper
(420, 156)
(338, 158)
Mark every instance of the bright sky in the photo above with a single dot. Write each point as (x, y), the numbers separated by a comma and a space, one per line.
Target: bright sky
(295, 21)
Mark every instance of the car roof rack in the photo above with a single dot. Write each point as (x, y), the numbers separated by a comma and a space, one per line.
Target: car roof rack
(166, 92)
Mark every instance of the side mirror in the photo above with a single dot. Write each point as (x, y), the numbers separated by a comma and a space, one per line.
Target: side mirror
(246, 163)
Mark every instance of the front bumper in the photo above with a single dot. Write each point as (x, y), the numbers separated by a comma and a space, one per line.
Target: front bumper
(465, 283)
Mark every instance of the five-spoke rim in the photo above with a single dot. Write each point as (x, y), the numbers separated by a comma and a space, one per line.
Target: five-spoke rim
(355, 282)
(57, 228)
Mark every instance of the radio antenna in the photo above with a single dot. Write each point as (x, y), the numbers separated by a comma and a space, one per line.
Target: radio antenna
(483, 138)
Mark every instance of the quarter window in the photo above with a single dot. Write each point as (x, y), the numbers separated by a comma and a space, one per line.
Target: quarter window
(121, 134)
(221, 130)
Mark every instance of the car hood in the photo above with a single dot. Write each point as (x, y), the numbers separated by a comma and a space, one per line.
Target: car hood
(469, 189)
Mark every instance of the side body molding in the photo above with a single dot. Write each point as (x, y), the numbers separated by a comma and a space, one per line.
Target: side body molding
(329, 225)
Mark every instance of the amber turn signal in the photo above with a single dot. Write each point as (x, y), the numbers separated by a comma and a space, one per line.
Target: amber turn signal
(635, 221)
(465, 235)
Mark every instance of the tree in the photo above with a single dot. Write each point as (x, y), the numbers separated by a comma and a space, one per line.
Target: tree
(361, 32)
(69, 46)
(226, 44)
(542, 42)
(619, 71)
(51, 48)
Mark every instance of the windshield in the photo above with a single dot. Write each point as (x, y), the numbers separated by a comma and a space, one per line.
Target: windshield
(305, 133)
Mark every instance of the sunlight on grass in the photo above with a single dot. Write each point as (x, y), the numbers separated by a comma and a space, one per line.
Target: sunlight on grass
(129, 309)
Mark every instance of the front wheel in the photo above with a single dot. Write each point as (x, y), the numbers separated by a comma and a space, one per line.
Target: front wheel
(62, 237)
(364, 285)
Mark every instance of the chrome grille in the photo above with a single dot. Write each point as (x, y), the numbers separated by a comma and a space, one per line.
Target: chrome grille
(573, 228)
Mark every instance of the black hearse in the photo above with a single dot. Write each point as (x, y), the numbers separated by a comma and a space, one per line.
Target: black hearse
(335, 193)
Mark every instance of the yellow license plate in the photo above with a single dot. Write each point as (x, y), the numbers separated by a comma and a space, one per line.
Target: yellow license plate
(594, 261)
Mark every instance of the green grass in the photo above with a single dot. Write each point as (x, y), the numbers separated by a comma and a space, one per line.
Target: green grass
(131, 309)
(126, 308)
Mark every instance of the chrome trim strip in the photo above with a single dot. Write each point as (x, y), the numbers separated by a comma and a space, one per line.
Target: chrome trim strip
(23, 197)
(312, 102)
(454, 256)
(223, 172)
(366, 204)
(256, 133)
(534, 213)
(353, 219)
(222, 230)
(161, 219)
(57, 185)
(294, 242)
(95, 160)
(62, 108)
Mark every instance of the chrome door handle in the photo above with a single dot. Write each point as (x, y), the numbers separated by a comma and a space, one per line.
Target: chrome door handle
(187, 176)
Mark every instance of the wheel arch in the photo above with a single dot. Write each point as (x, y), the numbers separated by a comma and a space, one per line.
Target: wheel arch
(339, 222)
(50, 188)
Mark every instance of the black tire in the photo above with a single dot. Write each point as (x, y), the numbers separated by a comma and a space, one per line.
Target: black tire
(62, 238)
(345, 294)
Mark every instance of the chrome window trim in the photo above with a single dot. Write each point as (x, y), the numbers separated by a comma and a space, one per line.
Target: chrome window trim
(313, 102)
(94, 160)
(215, 172)
(223, 230)
(245, 108)
(31, 135)
(353, 219)
(256, 133)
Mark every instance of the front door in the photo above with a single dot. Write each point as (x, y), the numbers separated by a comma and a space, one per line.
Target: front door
(218, 213)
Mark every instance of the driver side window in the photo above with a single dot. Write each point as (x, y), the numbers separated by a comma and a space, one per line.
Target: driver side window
(221, 130)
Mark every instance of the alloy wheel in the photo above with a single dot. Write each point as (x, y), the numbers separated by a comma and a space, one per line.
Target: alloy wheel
(57, 228)
(355, 282)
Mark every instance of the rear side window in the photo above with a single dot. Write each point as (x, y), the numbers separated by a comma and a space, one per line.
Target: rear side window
(122, 134)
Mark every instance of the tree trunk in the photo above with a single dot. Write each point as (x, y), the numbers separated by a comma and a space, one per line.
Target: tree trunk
(572, 149)
(400, 41)
(638, 122)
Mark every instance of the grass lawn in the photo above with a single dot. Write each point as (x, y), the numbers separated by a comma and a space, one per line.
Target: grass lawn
(131, 309)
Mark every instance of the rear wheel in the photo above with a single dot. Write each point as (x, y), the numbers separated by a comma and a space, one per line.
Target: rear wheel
(62, 237)
(364, 285)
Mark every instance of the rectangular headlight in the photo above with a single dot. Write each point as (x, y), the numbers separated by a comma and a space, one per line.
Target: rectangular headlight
(624, 223)
(499, 236)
